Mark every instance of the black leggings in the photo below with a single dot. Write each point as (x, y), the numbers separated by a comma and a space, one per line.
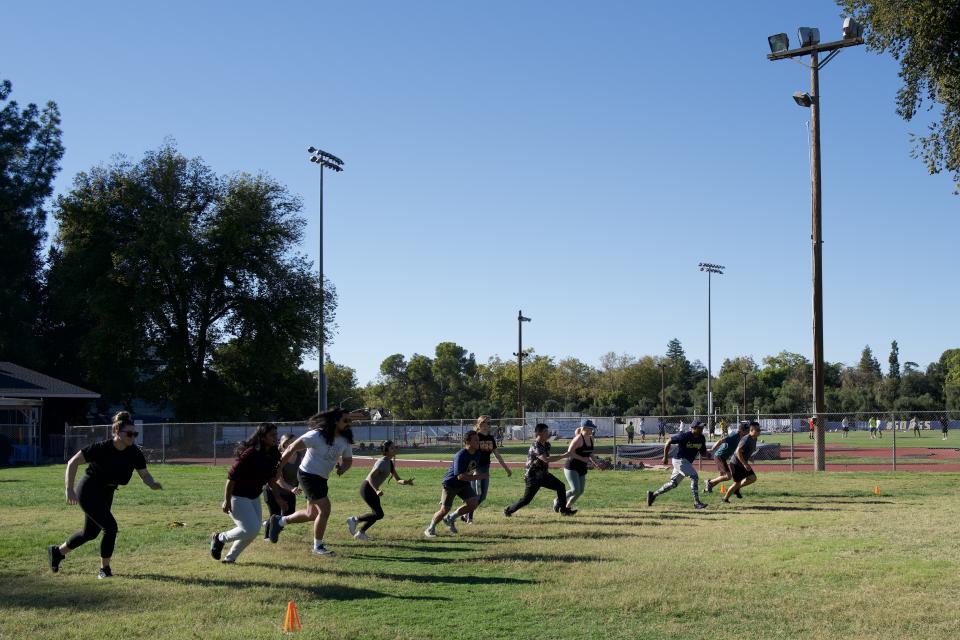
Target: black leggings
(369, 495)
(548, 481)
(96, 499)
(274, 508)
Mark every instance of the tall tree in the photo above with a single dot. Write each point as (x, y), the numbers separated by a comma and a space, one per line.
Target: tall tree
(894, 361)
(924, 36)
(30, 153)
(161, 262)
(869, 367)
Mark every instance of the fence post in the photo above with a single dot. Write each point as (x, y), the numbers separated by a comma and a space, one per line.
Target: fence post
(791, 444)
(163, 443)
(894, 429)
(214, 444)
(66, 440)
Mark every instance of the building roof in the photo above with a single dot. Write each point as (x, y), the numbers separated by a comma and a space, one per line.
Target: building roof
(20, 382)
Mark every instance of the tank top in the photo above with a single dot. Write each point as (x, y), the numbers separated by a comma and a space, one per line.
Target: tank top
(584, 450)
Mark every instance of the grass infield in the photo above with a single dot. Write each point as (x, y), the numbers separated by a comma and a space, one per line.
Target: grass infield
(803, 556)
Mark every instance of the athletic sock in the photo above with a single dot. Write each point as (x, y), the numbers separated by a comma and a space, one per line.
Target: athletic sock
(317, 543)
(282, 521)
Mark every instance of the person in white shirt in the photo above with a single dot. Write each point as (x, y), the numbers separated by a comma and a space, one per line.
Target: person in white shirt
(328, 448)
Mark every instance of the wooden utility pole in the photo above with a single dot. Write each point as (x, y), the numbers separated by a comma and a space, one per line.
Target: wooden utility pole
(519, 354)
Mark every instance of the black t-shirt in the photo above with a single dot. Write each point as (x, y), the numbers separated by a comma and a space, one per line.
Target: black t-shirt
(585, 450)
(487, 444)
(109, 465)
(748, 445)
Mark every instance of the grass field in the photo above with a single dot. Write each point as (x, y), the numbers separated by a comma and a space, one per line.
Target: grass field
(804, 556)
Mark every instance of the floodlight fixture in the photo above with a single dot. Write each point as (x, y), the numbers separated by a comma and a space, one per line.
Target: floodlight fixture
(779, 42)
(803, 99)
(851, 29)
(312, 150)
(809, 36)
(711, 268)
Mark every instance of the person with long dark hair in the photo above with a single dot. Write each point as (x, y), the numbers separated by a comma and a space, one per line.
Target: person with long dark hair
(370, 491)
(328, 447)
(537, 473)
(288, 489)
(255, 466)
(111, 465)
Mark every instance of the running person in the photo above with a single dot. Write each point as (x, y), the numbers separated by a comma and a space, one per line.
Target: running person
(537, 474)
(255, 466)
(457, 483)
(743, 473)
(721, 451)
(112, 463)
(579, 453)
(289, 475)
(488, 447)
(370, 491)
(328, 447)
(689, 444)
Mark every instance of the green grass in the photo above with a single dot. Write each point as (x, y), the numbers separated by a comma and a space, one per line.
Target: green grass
(804, 556)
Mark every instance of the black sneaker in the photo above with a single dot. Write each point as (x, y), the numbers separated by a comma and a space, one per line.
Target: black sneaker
(216, 546)
(738, 494)
(104, 573)
(568, 512)
(507, 513)
(699, 505)
(650, 498)
(53, 553)
(274, 528)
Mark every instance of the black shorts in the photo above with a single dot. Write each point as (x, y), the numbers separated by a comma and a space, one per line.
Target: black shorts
(465, 494)
(740, 472)
(723, 466)
(314, 486)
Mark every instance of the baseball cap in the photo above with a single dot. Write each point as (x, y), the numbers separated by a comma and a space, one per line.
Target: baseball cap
(588, 423)
(696, 423)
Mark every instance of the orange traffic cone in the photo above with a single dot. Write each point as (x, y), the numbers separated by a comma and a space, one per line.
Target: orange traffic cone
(723, 489)
(291, 621)
(876, 490)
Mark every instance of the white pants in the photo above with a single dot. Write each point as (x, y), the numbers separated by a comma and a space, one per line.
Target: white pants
(246, 513)
(683, 467)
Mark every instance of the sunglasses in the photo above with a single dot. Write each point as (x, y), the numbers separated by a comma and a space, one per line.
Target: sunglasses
(131, 434)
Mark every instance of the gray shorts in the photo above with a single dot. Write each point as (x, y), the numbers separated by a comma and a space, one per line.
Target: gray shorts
(466, 493)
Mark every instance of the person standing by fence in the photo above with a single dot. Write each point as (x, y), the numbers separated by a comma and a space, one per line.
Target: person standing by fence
(944, 426)
(255, 466)
(873, 428)
(579, 453)
(328, 446)
(488, 447)
(915, 424)
(537, 474)
(688, 446)
(629, 431)
(661, 430)
(111, 465)
(845, 427)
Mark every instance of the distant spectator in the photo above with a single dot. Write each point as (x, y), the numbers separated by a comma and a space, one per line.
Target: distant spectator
(629, 431)
(915, 424)
(873, 428)
(944, 426)
(812, 426)
(845, 427)
(661, 430)
(879, 428)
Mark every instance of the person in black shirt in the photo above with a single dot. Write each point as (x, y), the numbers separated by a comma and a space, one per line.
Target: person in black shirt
(488, 447)
(537, 473)
(112, 463)
(743, 473)
(688, 445)
(579, 453)
(256, 465)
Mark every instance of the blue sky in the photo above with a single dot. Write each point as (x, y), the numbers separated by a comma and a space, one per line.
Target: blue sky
(576, 160)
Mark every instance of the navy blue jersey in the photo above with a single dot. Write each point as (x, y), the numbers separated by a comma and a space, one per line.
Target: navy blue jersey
(688, 445)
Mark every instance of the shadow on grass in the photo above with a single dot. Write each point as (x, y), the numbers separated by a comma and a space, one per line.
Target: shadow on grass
(397, 577)
(26, 593)
(325, 592)
(783, 507)
(568, 558)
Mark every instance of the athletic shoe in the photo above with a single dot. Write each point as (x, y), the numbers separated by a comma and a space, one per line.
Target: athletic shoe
(469, 519)
(352, 525)
(699, 505)
(266, 530)
(104, 573)
(274, 528)
(568, 512)
(464, 519)
(447, 520)
(709, 486)
(361, 536)
(650, 498)
(227, 561)
(556, 505)
(738, 494)
(216, 546)
(53, 553)
(506, 512)
(321, 550)
(430, 532)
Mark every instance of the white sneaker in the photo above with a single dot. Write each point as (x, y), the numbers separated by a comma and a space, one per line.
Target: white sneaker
(352, 525)
(447, 520)
(321, 550)
(430, 532)
(361, 536)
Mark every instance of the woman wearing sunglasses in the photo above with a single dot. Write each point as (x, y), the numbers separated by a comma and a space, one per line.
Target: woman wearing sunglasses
(111, 464)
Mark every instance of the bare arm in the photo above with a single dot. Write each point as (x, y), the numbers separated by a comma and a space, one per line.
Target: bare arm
(502, 463)
(399, 479)
(227, 495)
(148, 479)
(344, 466)
(71, 475)
(666, 452)
(743, 459)
(289, 452)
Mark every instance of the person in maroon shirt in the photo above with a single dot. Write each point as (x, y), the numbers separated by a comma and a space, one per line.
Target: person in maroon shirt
(256, 465)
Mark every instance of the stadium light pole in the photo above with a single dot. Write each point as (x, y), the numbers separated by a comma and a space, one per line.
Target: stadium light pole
(810, 46)
(325, 161)
(520, 320)
(710, 269)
